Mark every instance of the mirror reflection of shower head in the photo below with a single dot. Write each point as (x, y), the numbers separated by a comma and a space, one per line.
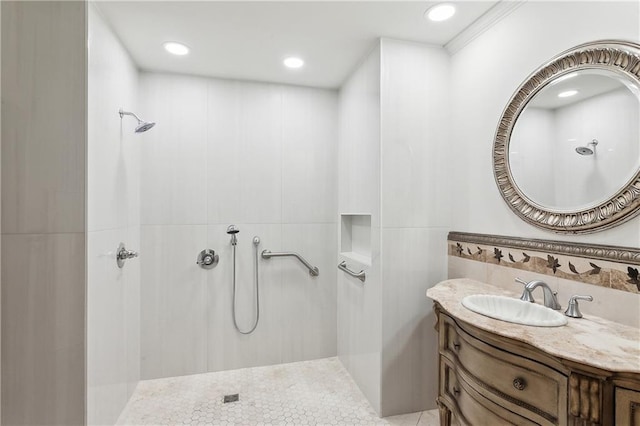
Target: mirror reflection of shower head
(585, 150)
(233, 230)
(142, 126)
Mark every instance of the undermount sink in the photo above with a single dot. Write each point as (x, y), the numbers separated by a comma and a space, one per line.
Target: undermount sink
(513, 310)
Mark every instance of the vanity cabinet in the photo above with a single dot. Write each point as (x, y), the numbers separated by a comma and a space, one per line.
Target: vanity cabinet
(627, 407)
(488, 379)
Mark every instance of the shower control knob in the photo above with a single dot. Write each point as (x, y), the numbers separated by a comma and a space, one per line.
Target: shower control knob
(123, 254)
(207, 259)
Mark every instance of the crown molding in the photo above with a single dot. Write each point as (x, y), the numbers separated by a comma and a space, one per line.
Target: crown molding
(498, 12)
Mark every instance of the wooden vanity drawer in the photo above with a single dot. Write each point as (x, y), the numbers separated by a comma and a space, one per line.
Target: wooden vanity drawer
(524, 386)
(470, 407)
(627, 410)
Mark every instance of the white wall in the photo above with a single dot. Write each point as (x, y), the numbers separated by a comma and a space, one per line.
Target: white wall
(113, 216)
(612, 119)
(393, 152)
(532, 154)
(44, 137)
(487, 71)
(260, 156)
(360, 305)
(415, 219)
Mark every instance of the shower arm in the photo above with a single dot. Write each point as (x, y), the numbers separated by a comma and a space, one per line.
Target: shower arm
(123, 113)
(313, 271)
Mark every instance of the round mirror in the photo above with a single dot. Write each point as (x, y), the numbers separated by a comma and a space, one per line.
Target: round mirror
(567, 149)
(577, 142)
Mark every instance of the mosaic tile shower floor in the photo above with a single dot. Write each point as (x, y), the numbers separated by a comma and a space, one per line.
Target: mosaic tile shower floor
(318, 392)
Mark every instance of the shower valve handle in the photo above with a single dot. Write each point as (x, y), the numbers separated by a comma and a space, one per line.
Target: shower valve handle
(123, 254)
(207, 259)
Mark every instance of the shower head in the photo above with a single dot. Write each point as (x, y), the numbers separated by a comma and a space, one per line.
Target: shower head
(142, 126)
(585, 150)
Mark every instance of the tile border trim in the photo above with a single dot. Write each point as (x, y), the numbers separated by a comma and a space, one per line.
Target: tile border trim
(629, 255)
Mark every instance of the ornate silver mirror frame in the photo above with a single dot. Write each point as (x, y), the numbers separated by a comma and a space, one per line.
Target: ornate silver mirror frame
(619, 56)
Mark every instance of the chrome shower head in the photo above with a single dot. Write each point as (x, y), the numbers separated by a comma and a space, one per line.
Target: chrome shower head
(142, 126)
(585, 150)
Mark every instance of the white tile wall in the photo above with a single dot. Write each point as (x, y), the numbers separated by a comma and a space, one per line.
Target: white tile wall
(258, 150)
(309, 145)
(43, 335)
(415, 110)
(310, 300)
(113, 216)
(174, 305)
(227, 348)
(43, 212)
(173, 168)
(359, 148)
(44, 175)
(415, 217)
(412, 263)
(359, 308)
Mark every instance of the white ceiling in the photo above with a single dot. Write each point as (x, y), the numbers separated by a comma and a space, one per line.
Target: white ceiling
(248, 40)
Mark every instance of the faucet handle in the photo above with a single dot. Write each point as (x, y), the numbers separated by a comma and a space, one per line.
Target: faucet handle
(521, 281)
(573, 310)
(526, 293)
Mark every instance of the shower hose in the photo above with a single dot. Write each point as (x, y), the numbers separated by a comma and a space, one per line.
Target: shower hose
(233, 307)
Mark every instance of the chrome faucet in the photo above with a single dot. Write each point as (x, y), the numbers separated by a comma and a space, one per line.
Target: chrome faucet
(550, 300)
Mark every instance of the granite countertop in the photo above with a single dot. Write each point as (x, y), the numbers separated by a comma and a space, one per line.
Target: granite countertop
(589, 340)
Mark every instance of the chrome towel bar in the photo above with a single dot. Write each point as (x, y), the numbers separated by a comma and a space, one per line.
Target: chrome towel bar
(313, 271)
(359, 275)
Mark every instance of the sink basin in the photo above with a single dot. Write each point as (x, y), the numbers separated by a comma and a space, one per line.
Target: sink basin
(513, 310)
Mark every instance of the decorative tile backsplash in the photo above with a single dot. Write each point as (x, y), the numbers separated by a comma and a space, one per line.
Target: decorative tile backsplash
(606, 266)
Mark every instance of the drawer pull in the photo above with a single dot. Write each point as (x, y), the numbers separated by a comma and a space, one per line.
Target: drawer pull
(456, 346)
(519, 383)
(456, 391)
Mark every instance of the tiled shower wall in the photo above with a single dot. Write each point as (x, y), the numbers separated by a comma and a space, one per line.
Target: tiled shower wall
(393, 123)
(262, 157)
(113, 216)
(43, 212)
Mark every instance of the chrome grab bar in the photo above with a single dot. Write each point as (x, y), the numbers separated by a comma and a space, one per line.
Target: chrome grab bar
(313, 271)
(359, 275)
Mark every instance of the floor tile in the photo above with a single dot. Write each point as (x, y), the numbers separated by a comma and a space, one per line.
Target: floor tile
(318, 392)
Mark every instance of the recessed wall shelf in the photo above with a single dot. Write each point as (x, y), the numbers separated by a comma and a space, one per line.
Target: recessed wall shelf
(355, 237)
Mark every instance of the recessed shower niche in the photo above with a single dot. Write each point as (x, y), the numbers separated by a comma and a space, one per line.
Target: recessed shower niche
(355, 237)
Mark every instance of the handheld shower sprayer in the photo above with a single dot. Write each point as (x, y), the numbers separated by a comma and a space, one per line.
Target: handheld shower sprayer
(233, 230)
(142, 126)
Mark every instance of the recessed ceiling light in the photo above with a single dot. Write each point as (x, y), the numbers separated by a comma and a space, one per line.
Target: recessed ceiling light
(176, 48)
(293, 62)
(440, 12)
(567, 93)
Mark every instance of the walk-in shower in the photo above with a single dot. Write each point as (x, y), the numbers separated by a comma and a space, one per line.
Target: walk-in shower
(142, 126)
